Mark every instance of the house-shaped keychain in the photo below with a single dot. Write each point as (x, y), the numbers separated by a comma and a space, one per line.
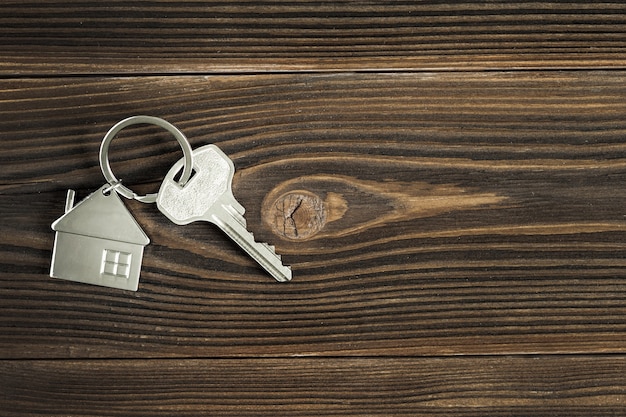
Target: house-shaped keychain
(98, 242)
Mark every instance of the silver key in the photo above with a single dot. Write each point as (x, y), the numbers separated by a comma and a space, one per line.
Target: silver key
(208, 196)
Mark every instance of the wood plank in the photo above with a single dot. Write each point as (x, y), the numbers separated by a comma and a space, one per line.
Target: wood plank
(68, 37)
(423, 214)
(472, 386)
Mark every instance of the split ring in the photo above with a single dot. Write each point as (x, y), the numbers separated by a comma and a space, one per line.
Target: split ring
(104, 155)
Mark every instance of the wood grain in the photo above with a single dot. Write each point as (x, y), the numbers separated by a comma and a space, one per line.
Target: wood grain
(466, 213)
(130, 37)
(445, 179)
(472, 386)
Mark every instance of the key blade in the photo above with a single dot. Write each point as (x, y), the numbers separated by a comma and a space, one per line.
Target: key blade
(233, 224)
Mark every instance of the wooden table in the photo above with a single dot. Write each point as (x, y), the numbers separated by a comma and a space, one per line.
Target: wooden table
(447, 181)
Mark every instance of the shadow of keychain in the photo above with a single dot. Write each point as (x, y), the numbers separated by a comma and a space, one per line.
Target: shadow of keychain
(98, 241)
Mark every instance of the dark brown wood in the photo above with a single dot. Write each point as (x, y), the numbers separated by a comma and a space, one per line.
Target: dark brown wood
(463, 213)
(446, 179)
(471, 386)
(55, 37)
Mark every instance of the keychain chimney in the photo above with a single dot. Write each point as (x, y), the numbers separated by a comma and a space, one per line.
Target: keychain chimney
(69, 200)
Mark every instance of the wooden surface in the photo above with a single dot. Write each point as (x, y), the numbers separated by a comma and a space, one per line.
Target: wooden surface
(468, 386)
(446, 180)
(61, 37)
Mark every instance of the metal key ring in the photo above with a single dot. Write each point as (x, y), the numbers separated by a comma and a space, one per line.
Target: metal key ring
(133, 120)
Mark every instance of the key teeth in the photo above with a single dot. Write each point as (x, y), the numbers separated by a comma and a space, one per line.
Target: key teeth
(270, 247)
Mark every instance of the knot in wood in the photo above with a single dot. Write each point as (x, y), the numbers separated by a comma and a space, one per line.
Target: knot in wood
(297, 215)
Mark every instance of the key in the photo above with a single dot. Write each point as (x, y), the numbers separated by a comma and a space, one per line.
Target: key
(208, 196)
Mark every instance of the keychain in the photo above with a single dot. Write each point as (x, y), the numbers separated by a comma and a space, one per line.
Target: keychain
(99, 242)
